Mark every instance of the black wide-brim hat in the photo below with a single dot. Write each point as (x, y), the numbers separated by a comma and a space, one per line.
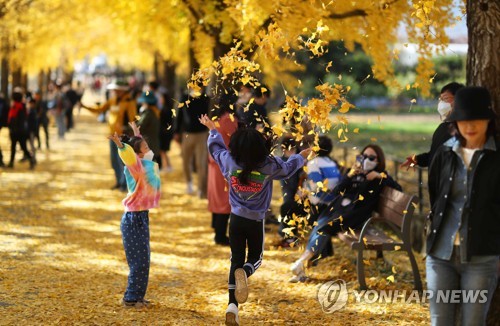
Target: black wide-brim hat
(472, 103)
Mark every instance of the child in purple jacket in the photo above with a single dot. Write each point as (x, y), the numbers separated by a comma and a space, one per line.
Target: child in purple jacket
(250, 169)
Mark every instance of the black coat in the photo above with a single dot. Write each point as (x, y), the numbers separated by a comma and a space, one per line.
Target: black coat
(440, 136)
(355, 214)
(481, 213)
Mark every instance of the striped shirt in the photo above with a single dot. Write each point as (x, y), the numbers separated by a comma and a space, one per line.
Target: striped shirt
(321, 171)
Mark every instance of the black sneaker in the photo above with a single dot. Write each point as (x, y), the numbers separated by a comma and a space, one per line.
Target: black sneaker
(139, 304)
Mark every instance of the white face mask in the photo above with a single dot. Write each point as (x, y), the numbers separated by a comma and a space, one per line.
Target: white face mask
(148, 155)
(369, 165)
(444, 108)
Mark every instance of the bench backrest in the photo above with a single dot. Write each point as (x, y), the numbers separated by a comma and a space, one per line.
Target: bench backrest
(395, 206)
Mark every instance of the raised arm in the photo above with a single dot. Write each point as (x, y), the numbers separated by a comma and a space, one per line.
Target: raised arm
(135, 128)
(116, 139)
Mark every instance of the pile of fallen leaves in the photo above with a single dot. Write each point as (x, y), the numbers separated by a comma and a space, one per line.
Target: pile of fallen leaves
(62, 259)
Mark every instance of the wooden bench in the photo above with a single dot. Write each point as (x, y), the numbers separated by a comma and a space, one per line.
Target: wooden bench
(394, 209)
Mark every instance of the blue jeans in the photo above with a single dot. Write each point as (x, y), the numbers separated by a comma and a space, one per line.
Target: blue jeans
(478, 274)
(117, 165)
(135, 234)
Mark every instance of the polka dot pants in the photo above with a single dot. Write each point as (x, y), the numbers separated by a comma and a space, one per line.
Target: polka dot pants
(135, 234)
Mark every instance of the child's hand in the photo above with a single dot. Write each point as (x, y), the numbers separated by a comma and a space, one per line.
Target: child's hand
(305, 153)
(116, 139)
(206, 121)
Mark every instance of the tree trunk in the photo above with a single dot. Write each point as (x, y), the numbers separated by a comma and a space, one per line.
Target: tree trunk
(24, 81)
(48, 80)
(40, 81)
(483, 55)
(4, 87)
(156, 63)
(16, 77)
(169, 76)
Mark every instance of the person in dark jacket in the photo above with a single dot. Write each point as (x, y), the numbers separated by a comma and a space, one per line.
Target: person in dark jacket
(463, 234)
(18, 128)
(149, 122)
(192, 136)
(356, 196)
(442, 132)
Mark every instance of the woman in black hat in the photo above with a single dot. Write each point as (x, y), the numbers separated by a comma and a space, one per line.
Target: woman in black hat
(463, 237)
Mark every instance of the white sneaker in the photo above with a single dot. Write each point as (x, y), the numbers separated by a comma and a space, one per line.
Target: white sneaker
(241, 291)
(297, 268)
(232, 315)
(298, 278)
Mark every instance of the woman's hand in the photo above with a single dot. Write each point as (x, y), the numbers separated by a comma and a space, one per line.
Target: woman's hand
(373, 175)
(410, 162)
(355, 170)
(116, 140)
(135, 128)
(207, 122)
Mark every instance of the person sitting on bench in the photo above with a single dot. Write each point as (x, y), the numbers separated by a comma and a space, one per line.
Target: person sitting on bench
(356, 197)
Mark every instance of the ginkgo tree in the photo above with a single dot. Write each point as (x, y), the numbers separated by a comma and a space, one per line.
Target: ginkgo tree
(41, 34)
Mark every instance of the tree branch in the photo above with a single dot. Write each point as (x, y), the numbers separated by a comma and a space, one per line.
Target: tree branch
(349, 14)
(197, 17)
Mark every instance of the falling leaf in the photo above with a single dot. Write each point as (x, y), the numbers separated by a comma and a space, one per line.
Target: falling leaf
(390, 278)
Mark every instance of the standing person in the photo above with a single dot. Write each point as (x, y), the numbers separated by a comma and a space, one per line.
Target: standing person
(366, 179)
(32, 121)
(249, 169)
(166, 132)
(122, 110)
(18, 128)
(143, 182)
(43, 119)
(192, 136)
(442, 132)
(463, 241)
(289, 189)
(59, 110)
(149, 122)
(4, 111)
(72, 98)
(218, 190)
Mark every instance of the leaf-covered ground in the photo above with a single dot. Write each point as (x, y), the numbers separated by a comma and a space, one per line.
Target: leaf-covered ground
(62, 260)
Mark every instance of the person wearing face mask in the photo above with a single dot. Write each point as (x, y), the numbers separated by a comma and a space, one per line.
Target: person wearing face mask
(143, 183)
(149, 122)
(442, 132)
(463, 233)
(356, 196)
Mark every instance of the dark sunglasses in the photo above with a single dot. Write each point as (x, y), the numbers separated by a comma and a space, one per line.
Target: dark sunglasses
(370, 157)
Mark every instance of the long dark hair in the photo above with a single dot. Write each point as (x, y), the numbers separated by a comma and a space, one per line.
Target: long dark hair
(133, 141)
(249, 149)
(380, 156)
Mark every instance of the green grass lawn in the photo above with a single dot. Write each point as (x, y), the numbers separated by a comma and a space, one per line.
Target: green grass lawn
(398, 135)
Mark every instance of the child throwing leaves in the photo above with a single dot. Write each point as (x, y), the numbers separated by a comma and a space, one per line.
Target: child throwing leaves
(143, 183)
(249, 168)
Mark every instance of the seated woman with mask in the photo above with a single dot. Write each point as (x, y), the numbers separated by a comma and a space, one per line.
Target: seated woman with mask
(356, 197)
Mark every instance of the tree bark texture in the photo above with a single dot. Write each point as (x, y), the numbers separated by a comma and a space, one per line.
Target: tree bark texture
(483, 55)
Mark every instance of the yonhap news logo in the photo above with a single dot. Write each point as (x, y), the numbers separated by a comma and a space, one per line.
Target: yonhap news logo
(332, 295)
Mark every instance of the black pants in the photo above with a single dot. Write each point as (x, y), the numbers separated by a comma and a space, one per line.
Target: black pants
(219, 223)
(16, 137)
(244, 232)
